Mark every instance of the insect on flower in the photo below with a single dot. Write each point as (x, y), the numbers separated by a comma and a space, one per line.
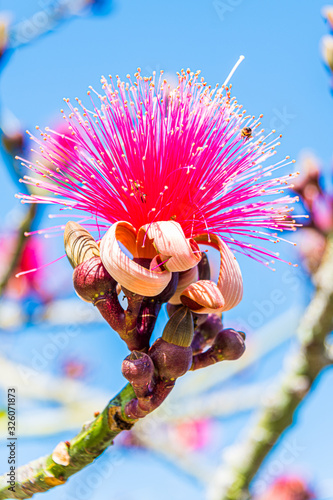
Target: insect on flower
(161, 170)
(246, 132)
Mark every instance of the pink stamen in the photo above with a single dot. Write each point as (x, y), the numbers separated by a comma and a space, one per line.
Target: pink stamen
(38, 268)
(149, 152)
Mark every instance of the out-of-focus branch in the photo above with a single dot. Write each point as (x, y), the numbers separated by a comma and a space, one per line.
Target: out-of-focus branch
(233, 479)
(51, 16)
(70, 457)
(23, 228)
(47, 386)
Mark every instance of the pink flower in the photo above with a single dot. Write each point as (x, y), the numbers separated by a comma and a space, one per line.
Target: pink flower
(288, 488)
(141, 158)
(30, 259)
(169, 165)
(312, 245)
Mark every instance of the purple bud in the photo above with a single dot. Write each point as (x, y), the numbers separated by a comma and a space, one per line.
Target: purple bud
(92, 281)
(170, 360)
(229, 344)
(211, 326)
(138, 368)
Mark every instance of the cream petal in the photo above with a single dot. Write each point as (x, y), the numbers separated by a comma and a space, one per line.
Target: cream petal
(230, 281)
(144, 245)
(203, 297)
(79, 244)
(125, 271)
(185, 279)
(180, 252)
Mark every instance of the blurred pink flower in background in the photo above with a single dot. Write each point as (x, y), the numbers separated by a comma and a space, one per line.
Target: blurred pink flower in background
(192, 434)
(31, 258)
(310, 186)
(74, 368)
(288, 488)
(187, 435)
(311, 246)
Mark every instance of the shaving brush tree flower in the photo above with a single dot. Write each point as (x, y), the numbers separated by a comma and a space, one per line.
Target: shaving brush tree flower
(158, 171)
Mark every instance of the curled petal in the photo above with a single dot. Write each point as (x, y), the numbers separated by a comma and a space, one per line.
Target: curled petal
(203, 297)
(230, 282)
(125, 271)
(144, 245)
(185, 279)
(179, 252)
(79, 244)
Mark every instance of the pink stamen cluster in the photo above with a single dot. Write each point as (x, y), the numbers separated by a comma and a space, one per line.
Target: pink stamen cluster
(150, 152)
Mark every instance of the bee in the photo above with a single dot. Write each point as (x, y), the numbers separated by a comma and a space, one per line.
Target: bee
(246, 133)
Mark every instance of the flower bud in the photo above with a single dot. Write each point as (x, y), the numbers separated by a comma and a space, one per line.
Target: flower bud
(179, 329)
(229, 344)
(211, 326)
(138, 369)
(79, 244)
(170, 360)
(92, 281)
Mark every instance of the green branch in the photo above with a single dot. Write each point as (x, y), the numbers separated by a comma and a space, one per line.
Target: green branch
(233, 481)
(71, 457)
